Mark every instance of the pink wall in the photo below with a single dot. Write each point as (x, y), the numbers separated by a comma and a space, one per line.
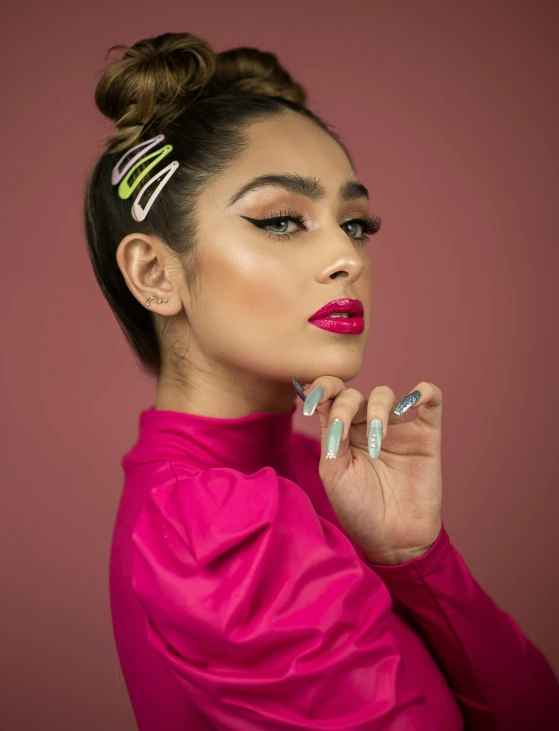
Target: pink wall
(451, 112)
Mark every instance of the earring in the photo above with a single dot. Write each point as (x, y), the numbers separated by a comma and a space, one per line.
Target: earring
(156, 298)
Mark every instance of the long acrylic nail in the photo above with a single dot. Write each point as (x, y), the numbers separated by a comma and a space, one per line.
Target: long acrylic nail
(374, 438)
(407, 401)
(300, 390)
(333, 438)
(311, 402)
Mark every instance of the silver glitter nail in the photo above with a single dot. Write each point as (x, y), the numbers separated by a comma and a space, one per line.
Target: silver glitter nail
(407, 401)
(300, 390)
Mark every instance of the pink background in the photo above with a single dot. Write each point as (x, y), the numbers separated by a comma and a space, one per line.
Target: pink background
(451, 113)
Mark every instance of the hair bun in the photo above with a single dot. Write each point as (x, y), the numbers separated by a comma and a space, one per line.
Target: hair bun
(252, 71)
(154, 81)
(157, 79)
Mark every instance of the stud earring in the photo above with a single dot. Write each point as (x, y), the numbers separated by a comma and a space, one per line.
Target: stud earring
(156, 298)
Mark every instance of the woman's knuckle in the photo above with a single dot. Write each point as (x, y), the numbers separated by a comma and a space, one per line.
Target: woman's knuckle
(382, 392)
(351, 393)
(340, 411)
(381, 397)
(342, 399)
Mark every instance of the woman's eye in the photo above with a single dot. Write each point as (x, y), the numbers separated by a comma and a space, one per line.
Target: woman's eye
(359, 228)
(355, 225)
(283, 225)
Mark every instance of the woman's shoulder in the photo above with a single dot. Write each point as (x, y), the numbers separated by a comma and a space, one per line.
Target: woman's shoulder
(212, 506)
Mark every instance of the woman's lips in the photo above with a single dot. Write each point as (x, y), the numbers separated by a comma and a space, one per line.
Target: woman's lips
(342, 304)
(343, 325)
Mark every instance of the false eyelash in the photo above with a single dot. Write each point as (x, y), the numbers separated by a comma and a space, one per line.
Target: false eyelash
(370, 225)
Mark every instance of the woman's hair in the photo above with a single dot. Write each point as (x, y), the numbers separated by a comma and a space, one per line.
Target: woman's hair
(175, 85)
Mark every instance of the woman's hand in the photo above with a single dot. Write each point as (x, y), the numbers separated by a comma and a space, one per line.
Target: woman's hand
(389, 506)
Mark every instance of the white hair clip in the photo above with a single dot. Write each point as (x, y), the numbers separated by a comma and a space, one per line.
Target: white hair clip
(123, 175)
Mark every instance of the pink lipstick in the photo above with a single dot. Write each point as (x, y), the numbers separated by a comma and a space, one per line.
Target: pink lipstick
(346, 325)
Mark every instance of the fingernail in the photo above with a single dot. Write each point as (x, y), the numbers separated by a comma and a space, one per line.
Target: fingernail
(406, 402)
(297, 386)
(374, 438)
(333, 438)
(311, 402)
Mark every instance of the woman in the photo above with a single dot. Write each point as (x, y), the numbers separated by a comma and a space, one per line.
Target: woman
(261, 579)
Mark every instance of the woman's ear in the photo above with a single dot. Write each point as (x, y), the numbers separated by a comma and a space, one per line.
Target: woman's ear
(150, 269)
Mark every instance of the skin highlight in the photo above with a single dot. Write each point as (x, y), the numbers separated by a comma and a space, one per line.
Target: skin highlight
(230, 349)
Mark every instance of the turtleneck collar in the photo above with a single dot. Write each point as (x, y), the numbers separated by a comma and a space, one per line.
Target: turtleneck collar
(246, 443)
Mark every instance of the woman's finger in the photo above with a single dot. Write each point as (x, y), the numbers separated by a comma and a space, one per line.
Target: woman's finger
(349, 406)
(429, 405)
(381, 402)
(327, 388)
(336, 407)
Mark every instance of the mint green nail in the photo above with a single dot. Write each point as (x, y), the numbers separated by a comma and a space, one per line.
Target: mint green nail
(374, 438)
(333, 438)
(311, 402)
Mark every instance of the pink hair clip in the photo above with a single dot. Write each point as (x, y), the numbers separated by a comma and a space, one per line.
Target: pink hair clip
(125, 190)
(144, 147)
(139, 213)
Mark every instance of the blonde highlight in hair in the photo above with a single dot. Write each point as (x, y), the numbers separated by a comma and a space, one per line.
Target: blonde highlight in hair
(157, 79)
(153, 81)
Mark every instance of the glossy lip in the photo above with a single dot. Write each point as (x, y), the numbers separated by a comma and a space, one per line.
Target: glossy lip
(341, 325)
(343, 304)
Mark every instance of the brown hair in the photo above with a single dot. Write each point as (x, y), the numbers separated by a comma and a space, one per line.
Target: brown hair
(175, 85)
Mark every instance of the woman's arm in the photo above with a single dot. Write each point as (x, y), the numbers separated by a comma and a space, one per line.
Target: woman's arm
(265, 612)
(500, 678)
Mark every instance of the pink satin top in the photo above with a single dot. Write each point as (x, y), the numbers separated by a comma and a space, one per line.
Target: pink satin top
(238, 602)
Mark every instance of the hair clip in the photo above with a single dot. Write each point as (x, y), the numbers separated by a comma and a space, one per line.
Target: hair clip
(125, 190)
(139, 213)
(118, 174)
(123, 175)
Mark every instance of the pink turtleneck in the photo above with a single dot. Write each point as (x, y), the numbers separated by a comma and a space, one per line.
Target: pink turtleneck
(239, 603)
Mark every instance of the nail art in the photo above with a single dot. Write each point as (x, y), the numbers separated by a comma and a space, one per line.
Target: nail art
(311, 402)
(333, 438)
(374, 438)
(407, 401)
(300, 390)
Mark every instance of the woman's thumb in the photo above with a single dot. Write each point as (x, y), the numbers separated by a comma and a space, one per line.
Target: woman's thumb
(322, 411)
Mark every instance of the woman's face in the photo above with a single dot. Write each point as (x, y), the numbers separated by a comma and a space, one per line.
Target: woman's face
(247, 328)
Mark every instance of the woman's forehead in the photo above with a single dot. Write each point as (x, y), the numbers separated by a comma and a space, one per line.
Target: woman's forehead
(301, 154)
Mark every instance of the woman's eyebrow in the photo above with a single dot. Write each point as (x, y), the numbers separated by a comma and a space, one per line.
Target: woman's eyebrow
(309, 187)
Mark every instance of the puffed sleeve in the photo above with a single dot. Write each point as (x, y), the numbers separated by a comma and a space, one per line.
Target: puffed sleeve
(502, 680)
(264, 610)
